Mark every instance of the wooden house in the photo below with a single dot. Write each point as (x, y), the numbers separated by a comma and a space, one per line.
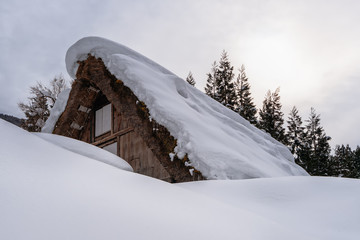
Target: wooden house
(127, 104)
(103, 112)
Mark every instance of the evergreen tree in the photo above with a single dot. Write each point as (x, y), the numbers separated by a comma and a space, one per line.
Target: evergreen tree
(190, 79)
(271, 118)
(356, 155)
(210, 88)
(342, 164)
(295, 134)
(244, 102)
(225, 91)
(316, 152)
(11, 119)
(42, 99)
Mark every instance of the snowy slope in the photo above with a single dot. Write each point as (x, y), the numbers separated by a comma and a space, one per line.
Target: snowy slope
(326, 208)
(48, 192)
(219, 142)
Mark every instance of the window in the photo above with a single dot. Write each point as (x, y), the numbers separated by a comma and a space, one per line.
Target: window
(103, 120)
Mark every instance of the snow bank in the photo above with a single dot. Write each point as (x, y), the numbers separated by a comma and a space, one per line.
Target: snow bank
(86, 149)
(219, 142)
(325, 208)
(48, 192)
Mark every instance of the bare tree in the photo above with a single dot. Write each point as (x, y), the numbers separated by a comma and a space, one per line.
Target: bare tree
(42, 99)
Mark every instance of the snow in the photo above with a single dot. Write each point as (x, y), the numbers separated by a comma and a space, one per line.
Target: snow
(219, 142)
(87, 150)
(48, 192)
(325, 208)
(56, 111)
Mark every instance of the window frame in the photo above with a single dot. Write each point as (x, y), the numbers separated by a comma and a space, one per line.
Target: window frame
(100, 116)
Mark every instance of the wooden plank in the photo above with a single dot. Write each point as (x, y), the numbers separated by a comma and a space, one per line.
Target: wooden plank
(122, 145)
(107, 143)
(117, 120)
(118, 145)
(112, 118)
(122, 132)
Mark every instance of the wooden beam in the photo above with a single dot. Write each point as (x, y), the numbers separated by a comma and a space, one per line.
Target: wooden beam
(119, 133)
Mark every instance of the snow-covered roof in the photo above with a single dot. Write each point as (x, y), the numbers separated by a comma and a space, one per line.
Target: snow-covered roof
(219, 142)
(56, 111)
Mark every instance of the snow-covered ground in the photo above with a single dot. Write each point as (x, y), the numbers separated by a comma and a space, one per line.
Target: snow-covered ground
(324, 208)
(219, 142)
(49, 192)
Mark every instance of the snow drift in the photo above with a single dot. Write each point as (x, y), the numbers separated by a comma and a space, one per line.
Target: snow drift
(219, 142)
(86, 150)
(322, 207)
(48, 192)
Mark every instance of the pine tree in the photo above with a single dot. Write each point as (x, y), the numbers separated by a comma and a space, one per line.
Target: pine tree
(225, 91)
(210, 88)
(244, 102)
(190, 79)
(342, 164)
(316, 152)
(271, 118)
(42, 99)
(295, 134)
(356, 155)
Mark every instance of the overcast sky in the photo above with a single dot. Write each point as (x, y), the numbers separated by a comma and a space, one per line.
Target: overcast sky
(310, 49)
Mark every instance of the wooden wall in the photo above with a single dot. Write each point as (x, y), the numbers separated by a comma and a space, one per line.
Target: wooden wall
(140, 157)
(131, 146)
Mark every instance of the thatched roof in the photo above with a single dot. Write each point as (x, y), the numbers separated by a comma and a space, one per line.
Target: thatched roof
(218, 142)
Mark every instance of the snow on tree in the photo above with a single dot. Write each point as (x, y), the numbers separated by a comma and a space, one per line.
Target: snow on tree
(42, 99)
(295, 134)
(190, 79)
(244, 102)
(225, 90)
(271, 118)
(316, 151)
